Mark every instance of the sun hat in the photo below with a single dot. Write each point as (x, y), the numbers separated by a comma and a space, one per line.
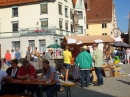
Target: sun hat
(49, 49)
(84, 47)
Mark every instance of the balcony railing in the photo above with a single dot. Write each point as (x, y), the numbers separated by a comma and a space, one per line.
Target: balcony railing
(36, 31)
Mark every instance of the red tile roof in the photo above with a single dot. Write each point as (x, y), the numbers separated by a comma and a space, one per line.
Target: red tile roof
(13, 2)
(99, 11)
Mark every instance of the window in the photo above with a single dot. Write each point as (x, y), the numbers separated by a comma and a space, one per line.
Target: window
(65, 0)
(43, 7)
(61, 40)
(15, 45)
(80, 30)
(15, 26)
(104, 33)
(42, 45)
(44, 22)
(60, 8)
(80, 13)
(32, 45)
(70, 14)
(66, 11)
(56, 41)
(14, 11)
(60, 23)
(104, 25)
(66, 25)
(87, 26)
(71, 27)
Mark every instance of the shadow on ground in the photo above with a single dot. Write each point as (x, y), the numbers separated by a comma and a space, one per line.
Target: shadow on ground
(81, 92)
(125, 82)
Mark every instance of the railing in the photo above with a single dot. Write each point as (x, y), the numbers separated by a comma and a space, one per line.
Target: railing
(37, 31)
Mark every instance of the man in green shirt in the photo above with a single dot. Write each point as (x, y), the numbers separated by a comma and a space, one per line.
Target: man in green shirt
(98, 62)
(84, 61)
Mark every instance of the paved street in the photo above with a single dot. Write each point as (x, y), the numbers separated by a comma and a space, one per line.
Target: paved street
(113, 87)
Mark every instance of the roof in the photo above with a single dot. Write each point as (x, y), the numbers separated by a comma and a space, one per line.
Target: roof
(88, 39)
(16, 2)
(74, 2)
(99, 11)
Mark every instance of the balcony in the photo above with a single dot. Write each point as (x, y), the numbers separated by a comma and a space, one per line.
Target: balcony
(36, 31)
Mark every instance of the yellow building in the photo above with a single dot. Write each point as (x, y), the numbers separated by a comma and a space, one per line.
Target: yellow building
(99, 17)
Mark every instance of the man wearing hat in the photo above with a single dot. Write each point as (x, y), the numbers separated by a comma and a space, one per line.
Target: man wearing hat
(84, 61)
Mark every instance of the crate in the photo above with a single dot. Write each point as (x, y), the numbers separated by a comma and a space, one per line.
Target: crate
(116, 74)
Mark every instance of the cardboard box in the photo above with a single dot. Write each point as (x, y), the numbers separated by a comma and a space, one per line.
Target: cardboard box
(116, 74)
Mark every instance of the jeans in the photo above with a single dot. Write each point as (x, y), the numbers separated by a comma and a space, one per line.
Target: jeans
(50, 90)
(99, 75)
(8, 63)
(85, 73)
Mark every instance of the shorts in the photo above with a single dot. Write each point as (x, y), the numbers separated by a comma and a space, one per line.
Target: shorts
(8, 63)
(67, 66)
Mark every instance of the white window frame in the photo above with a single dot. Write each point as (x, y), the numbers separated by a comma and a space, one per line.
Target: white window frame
(60, 9)
(42, 43)
(32, 45)
(46, 8)
(81, 30)
(15, 45)
(13, 15)
(80, 17)
(66, 11)
(104, 25)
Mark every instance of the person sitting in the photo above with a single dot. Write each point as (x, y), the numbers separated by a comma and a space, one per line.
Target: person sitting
(50, 73)
(27, 72)
(11, 71)
(3, 77)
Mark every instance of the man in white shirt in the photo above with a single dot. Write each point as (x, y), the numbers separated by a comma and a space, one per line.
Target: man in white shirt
(12, 54)
(3, 76)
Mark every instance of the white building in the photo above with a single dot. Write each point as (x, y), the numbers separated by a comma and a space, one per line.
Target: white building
(37, 24)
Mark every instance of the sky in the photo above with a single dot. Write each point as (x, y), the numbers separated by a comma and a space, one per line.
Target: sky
(122, 12)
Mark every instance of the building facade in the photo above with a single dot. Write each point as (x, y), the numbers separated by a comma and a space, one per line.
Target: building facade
(101, 17)
(35, 23)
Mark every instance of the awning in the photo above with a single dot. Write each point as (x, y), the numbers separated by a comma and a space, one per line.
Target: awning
(88, 39)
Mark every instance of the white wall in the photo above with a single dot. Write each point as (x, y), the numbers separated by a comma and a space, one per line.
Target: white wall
(29, 15)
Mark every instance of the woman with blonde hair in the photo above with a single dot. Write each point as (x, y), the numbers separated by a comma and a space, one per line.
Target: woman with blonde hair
(7, 58)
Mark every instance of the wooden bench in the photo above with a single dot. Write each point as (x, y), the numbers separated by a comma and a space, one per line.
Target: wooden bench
(13, 96)
(61, 90)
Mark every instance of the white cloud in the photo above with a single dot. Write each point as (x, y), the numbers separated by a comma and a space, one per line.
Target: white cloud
(127, 16)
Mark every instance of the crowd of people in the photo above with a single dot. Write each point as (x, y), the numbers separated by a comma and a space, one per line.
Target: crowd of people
(80, 60)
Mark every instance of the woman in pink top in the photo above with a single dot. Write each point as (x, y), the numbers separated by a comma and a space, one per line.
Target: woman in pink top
(8, 58)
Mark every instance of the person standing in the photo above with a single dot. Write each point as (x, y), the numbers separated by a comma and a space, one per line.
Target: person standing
(12, 54)
(7, 58)
(28, 55)
(84, 61)
(67, 61)
(49, 57)
(98, 62)
(36, 55)
(17, 55)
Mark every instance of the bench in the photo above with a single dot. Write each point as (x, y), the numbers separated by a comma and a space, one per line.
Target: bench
(61, 90)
